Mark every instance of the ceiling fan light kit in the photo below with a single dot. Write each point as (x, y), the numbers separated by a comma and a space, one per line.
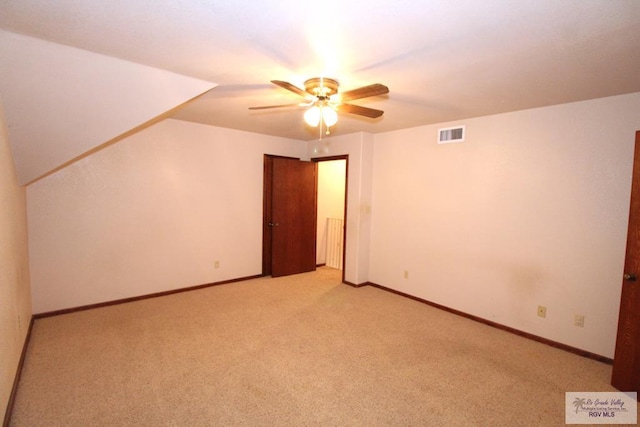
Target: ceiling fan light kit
(315, 114)
(322, 95)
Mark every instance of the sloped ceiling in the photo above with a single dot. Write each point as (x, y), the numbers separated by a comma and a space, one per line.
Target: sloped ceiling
(61, 102)
(443, 60)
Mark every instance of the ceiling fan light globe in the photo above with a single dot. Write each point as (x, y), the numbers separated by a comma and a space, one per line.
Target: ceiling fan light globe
(312, 116)
(329, 116)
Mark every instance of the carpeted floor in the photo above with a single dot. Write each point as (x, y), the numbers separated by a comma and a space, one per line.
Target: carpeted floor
(292, 351)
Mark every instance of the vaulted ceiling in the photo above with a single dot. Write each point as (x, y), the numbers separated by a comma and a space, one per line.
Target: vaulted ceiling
(443, 60)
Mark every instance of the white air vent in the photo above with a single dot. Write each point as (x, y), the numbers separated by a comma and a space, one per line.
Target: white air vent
(448, 135)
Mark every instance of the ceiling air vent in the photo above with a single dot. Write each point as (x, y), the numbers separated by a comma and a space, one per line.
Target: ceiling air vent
(449, 135)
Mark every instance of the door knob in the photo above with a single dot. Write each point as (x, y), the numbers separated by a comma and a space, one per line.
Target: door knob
(273, 224)
(630, 277)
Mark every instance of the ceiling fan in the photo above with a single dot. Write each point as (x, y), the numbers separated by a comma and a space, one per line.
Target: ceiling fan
(322, 95)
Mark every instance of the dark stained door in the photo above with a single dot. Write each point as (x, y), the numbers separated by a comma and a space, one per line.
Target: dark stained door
(626, 362)
(290, 216)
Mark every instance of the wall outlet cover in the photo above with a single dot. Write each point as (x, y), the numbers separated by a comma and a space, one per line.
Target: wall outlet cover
(542, 311)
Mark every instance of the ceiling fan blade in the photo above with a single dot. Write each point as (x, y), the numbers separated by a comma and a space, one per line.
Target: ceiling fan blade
(361, 111)
(265, 107)
(364, 92)
(292, 88)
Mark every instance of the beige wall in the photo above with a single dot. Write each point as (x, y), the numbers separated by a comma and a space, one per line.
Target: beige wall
(150, 213)
(530, 210)
(15, 297)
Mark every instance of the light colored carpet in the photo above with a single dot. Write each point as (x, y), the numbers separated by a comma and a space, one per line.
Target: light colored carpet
(292, 351)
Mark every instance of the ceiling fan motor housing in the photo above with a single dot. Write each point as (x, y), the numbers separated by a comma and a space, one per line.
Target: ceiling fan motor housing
(321, 87)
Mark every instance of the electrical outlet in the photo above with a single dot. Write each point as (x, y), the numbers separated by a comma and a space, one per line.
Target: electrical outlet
(542, 311)
(216, 264)
(578, 320)
(406, 274)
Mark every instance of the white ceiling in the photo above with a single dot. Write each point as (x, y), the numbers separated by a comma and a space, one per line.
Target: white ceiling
(443, 60)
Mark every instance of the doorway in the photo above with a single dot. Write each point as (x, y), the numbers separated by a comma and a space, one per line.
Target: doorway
(332, 212)
(290, 246)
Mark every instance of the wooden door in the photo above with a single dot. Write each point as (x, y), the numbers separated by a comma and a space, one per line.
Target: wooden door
(289, 245)
(626, 362)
